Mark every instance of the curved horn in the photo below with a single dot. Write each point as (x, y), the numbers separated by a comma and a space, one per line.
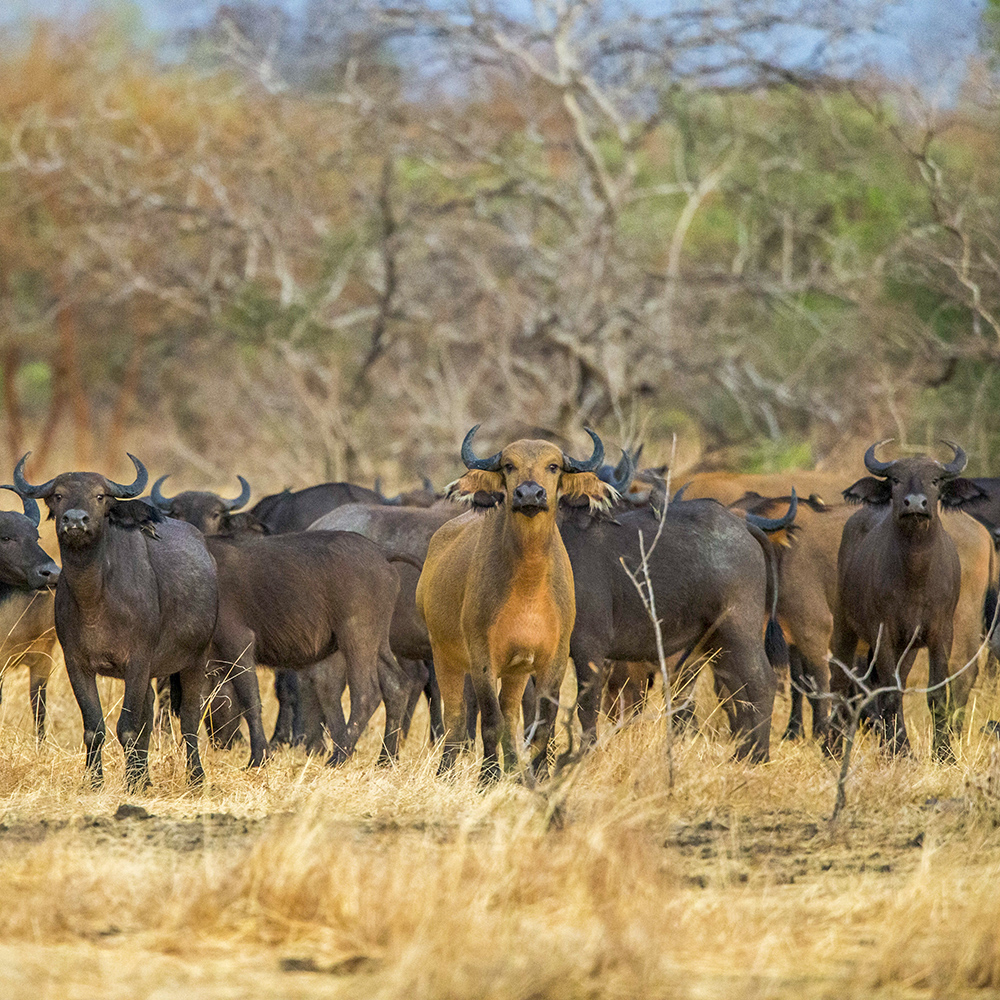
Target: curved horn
(127, 492)
(958, 463)
(624, 472)
(776, 523)
(575, 465)
(679, 495)
(239, 501)
(31, 511)
(491, 464)
(156, 495)
(873, 465)
(22, 486)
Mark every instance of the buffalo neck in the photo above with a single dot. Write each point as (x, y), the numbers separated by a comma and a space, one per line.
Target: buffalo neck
(528, 538)
(917, 549)
(85, 568)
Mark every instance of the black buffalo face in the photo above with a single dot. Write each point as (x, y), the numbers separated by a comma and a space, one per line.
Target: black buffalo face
(210, 513)
(914, 487)
(206, 511)
(79, 503)
(23, 562)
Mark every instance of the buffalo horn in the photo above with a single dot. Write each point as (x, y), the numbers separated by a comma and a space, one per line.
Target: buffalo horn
(22, 486)
(127, 492)
(957, 464)
(244, 496)
(776, 523)
(575, 465)
(491, 464)
(624, 472)
(156, 495)
(873, 465)
(31, 511)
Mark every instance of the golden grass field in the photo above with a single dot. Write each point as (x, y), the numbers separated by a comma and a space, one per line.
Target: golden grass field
(298, 881)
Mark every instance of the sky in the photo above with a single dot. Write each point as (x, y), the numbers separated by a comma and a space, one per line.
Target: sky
(923, 41)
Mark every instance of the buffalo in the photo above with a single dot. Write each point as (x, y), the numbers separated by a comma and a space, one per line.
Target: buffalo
(27, 626)
(497, 594)
(136, 599)
(710, 578)
(898, 585)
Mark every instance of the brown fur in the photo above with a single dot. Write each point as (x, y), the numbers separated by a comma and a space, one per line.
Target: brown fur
(497, 595)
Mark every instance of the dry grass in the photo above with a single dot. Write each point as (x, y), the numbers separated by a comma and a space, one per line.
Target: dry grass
(297, 881)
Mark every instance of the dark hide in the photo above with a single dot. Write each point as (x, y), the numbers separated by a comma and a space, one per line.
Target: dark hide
(137, 600)
(709, 578)
(27, 626)
(406, 531)
(288, 511)
(899, 569)
(296, 599)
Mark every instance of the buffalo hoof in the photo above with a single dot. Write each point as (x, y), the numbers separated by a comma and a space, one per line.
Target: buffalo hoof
(138, 784)
(489, 776)
(196, 776)
(336, 758)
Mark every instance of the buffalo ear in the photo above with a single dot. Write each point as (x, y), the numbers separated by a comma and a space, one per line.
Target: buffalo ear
(869, 490)
(586, 484)
(473, 482)
(955, 492)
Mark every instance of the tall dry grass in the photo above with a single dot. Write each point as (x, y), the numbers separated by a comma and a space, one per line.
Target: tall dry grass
(301, 881)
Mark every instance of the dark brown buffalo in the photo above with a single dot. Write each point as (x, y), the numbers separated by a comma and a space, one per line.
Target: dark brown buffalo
(296, 599)
(208, 512)
(899, 578)
(136, 599)
(27, 623)
(287, 511)
(710, 580)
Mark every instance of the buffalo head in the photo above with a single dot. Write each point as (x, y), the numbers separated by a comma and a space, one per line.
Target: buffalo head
(529, 476)
(914, 486)
(80, 502)
(208, 512)
(23, 562)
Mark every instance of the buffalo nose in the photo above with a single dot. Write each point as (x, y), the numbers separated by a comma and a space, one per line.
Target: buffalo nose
(915, 502)
(75, 519)
(49, 573)
(530, 493)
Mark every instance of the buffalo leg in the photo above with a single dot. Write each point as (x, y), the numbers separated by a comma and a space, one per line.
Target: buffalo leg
(130, 731)
(512, 690)
(433, 693)
(321, 692)
(288, 726)
(547, 684)
(891, 674)
(192, 683)
(800, 686)
(39, 683)
(452, 684)
(85, 690)
(590, 688)
(395, 685)
(247, 689)
(843, 685)
(682, 693)
(419, 675)
(938, 698)
(362, 681)
(744, 670)
(471, 712)
(490, 720)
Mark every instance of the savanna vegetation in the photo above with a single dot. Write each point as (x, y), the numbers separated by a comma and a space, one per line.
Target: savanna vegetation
(324, 246)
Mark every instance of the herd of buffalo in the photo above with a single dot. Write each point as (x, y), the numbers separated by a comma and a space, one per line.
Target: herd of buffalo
(480, 606)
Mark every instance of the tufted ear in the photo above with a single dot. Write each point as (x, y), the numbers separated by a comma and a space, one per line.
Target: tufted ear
(473, 482)
(573, 485)
(869, 490)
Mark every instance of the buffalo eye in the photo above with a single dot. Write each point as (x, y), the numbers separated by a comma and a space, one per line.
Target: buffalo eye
(508, 467)
(553, 468)
(6, 538)
(100, 496)
(57, 496)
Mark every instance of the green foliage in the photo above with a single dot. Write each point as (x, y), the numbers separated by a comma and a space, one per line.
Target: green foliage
(776, 456)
